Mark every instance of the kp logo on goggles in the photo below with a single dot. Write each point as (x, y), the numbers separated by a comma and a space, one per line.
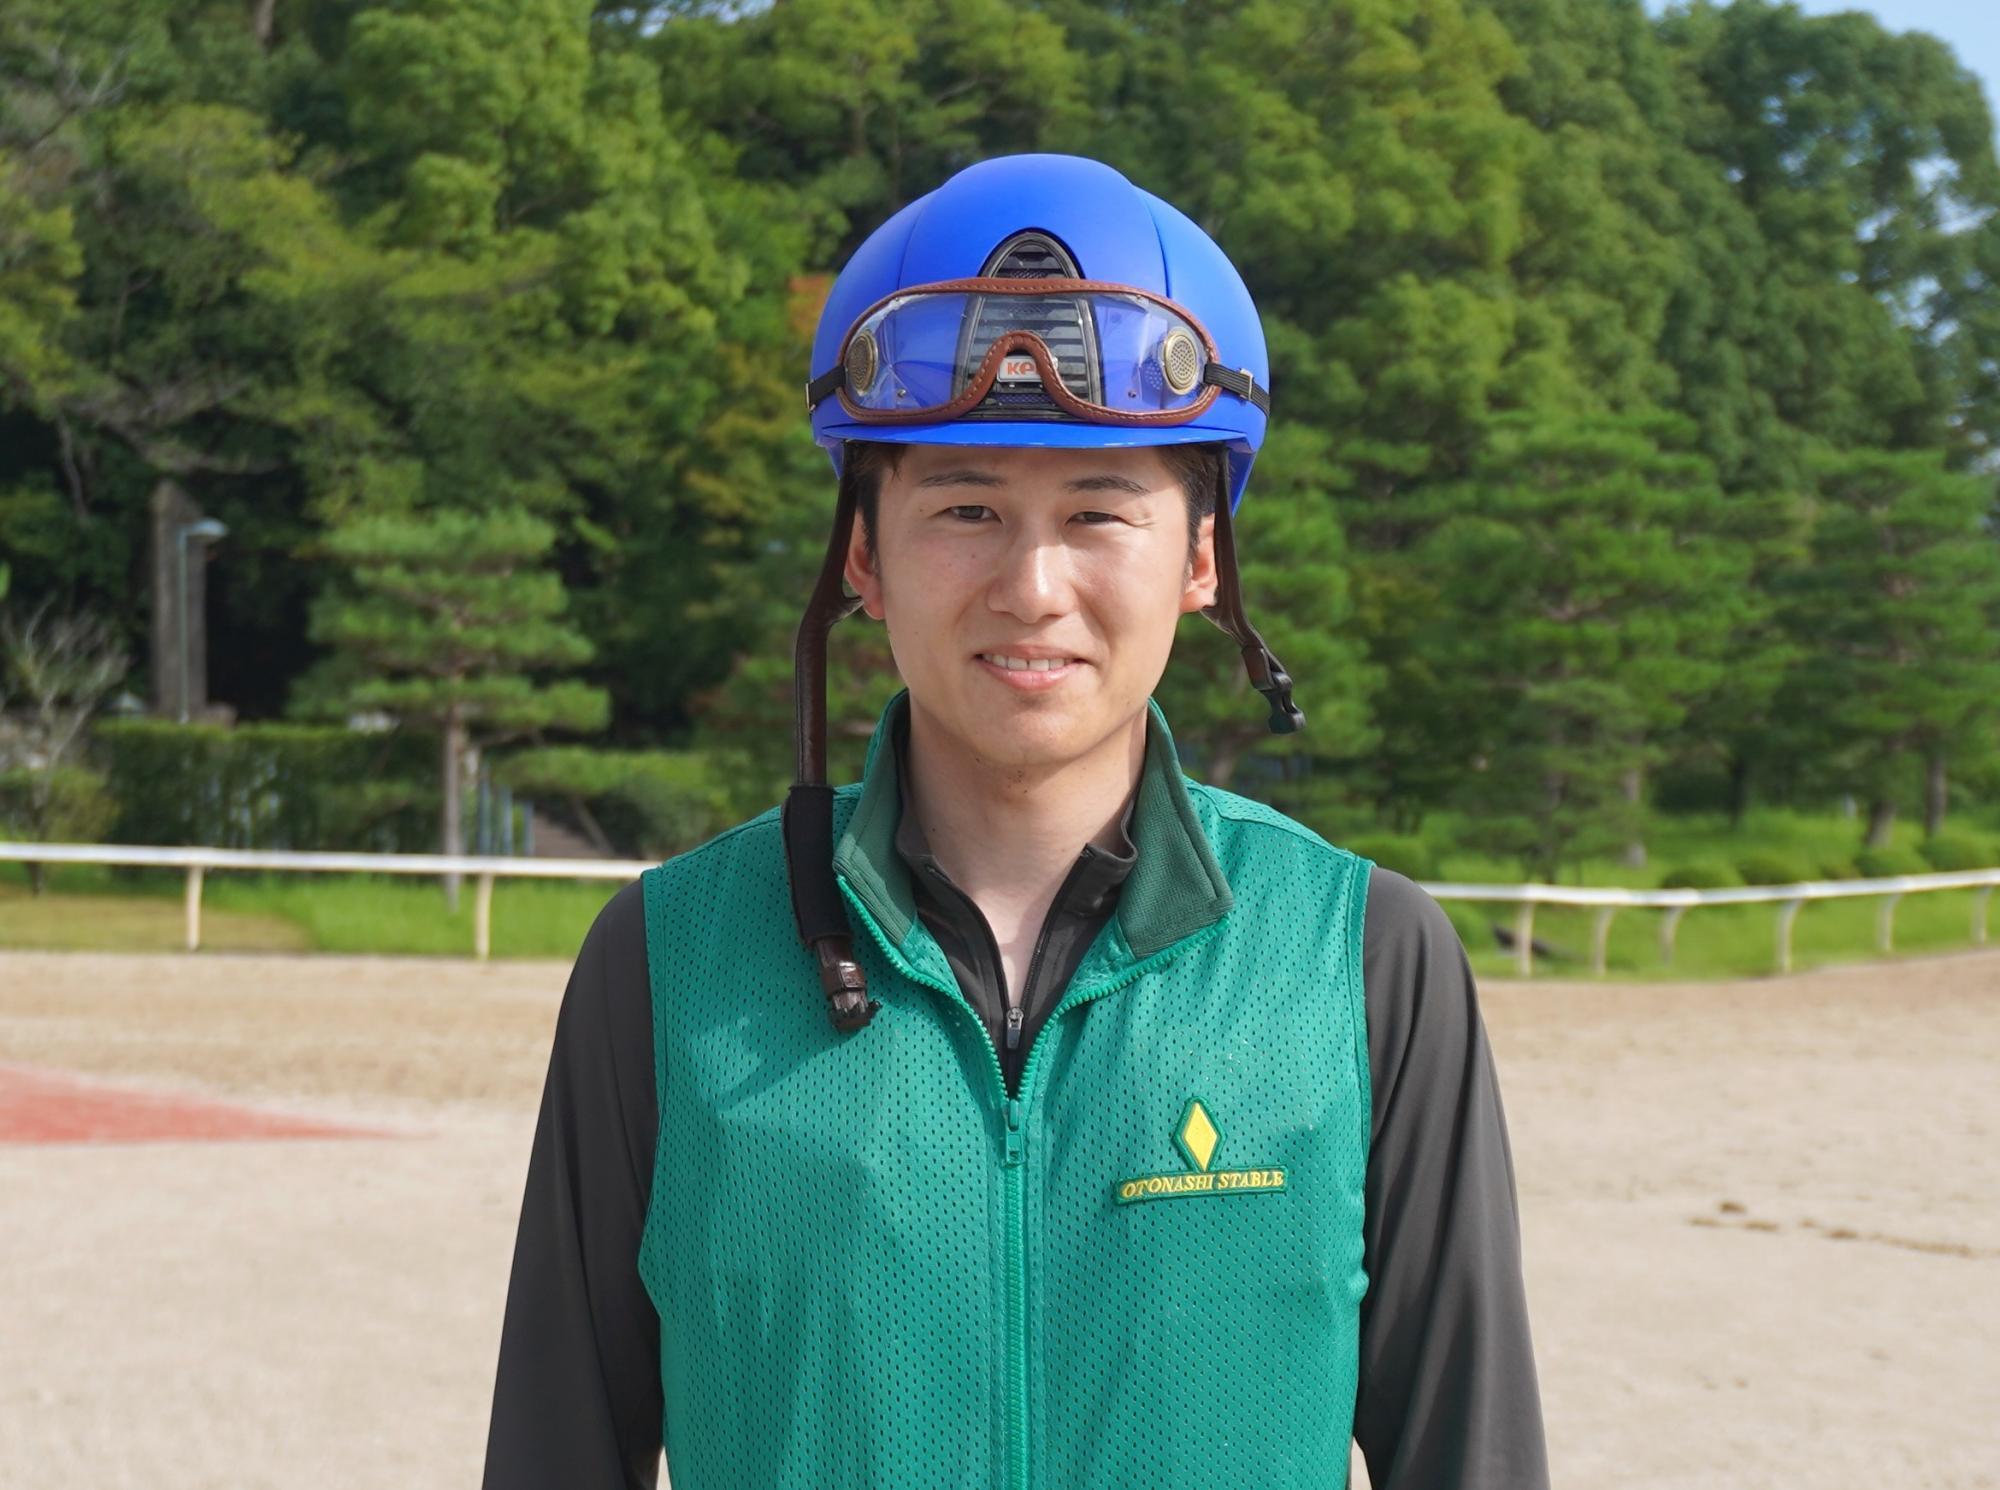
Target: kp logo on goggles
(1199, 1139)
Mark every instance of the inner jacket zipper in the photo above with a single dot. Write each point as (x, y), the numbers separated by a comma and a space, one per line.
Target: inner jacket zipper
(1017, 1012)
(1014, 1114)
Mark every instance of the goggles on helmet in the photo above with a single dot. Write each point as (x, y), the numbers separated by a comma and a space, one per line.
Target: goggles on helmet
(993, 348)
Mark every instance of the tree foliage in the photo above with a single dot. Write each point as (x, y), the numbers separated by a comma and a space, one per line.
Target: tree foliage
(1610, 353)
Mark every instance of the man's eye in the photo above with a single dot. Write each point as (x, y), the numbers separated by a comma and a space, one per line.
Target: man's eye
(1098, 517)
(969, 512)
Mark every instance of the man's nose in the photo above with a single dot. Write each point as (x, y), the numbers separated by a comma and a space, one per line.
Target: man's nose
(1034, 579)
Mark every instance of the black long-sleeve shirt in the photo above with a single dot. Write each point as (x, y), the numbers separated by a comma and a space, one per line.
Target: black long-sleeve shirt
(1448, 1396)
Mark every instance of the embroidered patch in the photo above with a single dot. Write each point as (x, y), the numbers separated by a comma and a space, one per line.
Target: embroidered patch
(1199, 1139)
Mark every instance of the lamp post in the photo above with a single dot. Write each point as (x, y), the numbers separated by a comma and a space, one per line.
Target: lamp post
(207, 529)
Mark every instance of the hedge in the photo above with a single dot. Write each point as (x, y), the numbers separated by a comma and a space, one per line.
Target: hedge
(271, 785)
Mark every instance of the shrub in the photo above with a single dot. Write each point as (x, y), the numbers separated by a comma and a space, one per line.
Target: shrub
(1888, 863)
(1702, 874)
(1948, 851)
(1838, 869)
(652, 802)
(66, 805)
(1405, 855)
(271, 785)
(1767, 868)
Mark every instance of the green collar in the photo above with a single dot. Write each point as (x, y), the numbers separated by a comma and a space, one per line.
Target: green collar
(1177, 887)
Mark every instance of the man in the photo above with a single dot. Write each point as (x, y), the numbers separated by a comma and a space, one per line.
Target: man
(1138, 1136)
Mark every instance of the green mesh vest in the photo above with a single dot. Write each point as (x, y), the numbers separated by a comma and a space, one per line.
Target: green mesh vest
(875, 1271)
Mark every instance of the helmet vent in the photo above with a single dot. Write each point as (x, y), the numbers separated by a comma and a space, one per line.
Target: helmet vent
(1059, 320)
(1030, 256)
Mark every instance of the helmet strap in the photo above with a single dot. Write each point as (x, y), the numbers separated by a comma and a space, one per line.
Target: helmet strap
(1267, 674)
(807, 818)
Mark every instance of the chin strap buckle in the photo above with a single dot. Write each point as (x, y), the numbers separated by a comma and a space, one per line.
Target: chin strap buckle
(1268, 677)
(846, 990)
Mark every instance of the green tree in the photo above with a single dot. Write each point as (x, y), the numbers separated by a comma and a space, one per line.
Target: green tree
(1895, 611)
(40, 259)
(857, 106)
(1867, 159)
(439, 620)
(750, 712)
(1292, 558)
(61, 667)
(1592, 599)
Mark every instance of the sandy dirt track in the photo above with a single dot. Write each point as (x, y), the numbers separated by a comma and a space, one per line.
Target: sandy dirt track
(1762, 1223)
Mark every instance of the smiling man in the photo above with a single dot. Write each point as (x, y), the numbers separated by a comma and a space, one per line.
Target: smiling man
(1030, 597)
(1026, 1114)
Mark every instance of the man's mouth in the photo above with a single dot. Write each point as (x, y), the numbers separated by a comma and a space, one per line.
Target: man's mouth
(1026, 664)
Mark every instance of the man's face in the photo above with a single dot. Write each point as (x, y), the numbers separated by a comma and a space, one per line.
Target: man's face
(1072, 561)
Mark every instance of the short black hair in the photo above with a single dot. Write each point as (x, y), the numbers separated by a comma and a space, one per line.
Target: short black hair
(1198, 468)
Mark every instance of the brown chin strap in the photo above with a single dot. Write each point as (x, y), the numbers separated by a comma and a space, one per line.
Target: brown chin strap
(808, 812)
(1267, 674)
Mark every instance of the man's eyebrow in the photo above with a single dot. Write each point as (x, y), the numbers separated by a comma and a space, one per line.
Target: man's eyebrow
(1107, 483)
(962, 478)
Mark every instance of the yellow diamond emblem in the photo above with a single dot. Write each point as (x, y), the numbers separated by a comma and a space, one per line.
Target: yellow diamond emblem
(1198, 1136)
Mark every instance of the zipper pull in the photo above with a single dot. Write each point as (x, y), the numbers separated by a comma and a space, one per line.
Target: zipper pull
(1014, 1136)
(1014, 1018)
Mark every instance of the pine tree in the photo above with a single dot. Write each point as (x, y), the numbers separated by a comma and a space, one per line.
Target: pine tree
(1589, 602)
(1894, 613)
(1292, 558)
(438, 620)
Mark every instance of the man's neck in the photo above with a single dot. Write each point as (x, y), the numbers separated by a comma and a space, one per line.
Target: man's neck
(1009, 834)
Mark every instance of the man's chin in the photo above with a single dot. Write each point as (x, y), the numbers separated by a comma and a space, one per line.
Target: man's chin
(1026, 737)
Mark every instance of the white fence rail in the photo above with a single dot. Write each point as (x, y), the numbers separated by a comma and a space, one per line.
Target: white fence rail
(483, 870)
(1677, 903)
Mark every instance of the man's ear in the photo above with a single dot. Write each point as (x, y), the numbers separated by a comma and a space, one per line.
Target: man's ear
(1198, 593)
(863, 577)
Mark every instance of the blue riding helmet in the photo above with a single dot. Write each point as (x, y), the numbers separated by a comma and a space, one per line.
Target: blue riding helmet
(1027, 217)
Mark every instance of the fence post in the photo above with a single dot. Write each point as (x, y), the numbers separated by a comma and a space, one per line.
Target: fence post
(193, 900)
(1600, 938)
(1524, 939)
(1885, 924)
(1788, 912)
(1979, 915)
(1669, 925)
(482, 916)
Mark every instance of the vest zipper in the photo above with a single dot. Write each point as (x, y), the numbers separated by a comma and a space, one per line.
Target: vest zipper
(1014, 1116)
(1013, 1155)
(1017, 1299)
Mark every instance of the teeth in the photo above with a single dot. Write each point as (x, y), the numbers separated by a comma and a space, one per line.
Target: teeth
(1026, 664)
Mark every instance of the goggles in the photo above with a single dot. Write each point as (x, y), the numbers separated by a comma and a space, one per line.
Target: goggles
(1029, 349)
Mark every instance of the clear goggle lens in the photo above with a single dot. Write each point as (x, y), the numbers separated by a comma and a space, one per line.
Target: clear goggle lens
(1119, 351)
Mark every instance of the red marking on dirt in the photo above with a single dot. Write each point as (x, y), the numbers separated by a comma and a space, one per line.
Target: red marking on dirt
(48, 1107)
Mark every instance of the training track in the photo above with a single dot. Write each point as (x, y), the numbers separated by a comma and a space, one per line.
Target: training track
(256, 1215)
